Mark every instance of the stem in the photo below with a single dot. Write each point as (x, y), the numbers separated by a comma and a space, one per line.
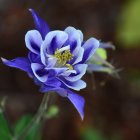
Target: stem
(37, 118)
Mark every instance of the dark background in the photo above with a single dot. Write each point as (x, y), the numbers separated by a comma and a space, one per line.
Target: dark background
(112, 109)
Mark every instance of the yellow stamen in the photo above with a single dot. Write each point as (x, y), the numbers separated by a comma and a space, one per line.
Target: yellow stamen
(69, 66)
(64, 57)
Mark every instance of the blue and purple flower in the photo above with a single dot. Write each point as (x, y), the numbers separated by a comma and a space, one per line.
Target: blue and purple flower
(57, 60)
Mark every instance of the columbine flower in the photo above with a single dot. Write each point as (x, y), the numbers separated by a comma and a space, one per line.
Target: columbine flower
(98, 62)
(56, 60)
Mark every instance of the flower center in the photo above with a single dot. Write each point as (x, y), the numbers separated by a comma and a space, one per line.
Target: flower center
(64, 57)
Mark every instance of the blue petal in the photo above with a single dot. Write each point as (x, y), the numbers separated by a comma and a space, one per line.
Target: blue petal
(68, 73)
(56, 71)
(21, 63)
(81, 70)
(61, 91)
(53, 82)
(40, 24)
(70, 30)
(33, 41)
(54, 40)
(34, 58)
(39, 72)
(90, 47)
(81, 35)
(37, 82)
(76, 85)
(74, 39)
(78, 56)
(78, 101)
(51, 62)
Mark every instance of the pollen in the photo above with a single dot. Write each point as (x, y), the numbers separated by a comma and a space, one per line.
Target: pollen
(64, 57)
(69, 66)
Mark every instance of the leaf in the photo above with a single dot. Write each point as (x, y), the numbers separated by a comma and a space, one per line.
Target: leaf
(22, 123)
(128, 25)
(4, 130)
(34, 133)
(92, 134)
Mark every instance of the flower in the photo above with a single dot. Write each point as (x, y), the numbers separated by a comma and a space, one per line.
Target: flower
(57, 60)
(98, 62)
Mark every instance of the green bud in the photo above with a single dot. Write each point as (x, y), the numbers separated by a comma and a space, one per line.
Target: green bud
(52, 111)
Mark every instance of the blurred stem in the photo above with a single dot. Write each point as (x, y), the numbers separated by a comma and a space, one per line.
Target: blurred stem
(38, 118)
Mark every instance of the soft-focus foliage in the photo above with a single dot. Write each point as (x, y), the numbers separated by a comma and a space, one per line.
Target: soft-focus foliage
(90, 133)
(128, 26)
(4, 129)
(33, 134)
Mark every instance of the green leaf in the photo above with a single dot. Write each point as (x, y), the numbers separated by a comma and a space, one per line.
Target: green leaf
(129, 23)
(34, 133)
(4, 137)
(22, 123)
(4, 130)
(92, 134)
(52, 111)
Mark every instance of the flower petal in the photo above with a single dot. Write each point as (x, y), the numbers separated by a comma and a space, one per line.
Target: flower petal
(53, 82)
(33, 41)
(78, 56)
(74, 39)
(78, 101)
(81, 35)
(56, 71)
(40, 24)
(21, 63)
(90, 47)
(54, 40)
(70, 30)
(34, 58)
(68, 72)
(76, 85)
(39, 72)
(51, 62)
(61, 91)
(81, 70)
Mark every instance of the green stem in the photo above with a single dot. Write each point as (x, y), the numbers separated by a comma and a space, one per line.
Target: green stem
(36, 120)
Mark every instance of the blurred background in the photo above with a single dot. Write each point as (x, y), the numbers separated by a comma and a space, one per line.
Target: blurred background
(112, 110)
